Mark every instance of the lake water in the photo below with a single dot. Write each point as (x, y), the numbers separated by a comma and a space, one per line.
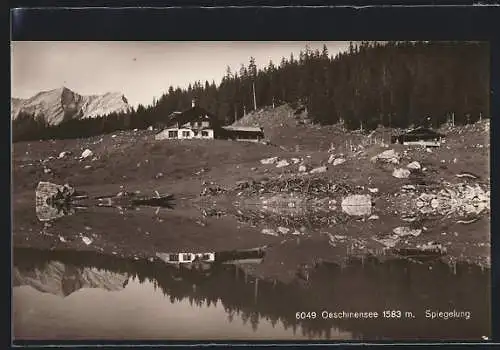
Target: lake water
(83, 295)
(64, 289)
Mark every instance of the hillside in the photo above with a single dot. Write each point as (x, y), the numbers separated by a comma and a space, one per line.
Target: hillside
(58, 105)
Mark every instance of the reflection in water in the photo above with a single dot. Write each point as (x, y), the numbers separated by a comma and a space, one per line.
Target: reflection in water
(54, 201)
(267, 307)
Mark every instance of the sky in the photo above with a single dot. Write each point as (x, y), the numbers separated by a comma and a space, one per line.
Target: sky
(140, 70)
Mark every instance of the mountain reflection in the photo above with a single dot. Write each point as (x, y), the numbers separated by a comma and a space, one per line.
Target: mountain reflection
(368, 285)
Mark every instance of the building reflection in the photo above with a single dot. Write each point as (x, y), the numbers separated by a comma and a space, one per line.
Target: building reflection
(368, 285)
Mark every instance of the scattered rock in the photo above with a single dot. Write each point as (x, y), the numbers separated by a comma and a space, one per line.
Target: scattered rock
(408, 187)
(432, 246)
(302, 168)
(87, 153)
(401, 173)
(150, 128)
(159, 175)
(331, 158)
(387, 242)
(434, 203)
(428, 150)
(271, 160)
(373, 190)
(406, 231)
(267, 231)
(459, 199)
(338, 161)
(282, 163)
(389, 156)
(414, 166)
(87, 166)
(212, 191)
(86, 240)
(295, 160)
(283, 230)
(63, 154)
(318, 170)
(47, 170)
(374, 217)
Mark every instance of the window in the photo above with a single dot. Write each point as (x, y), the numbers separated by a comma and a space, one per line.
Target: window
(186, 257)
(199, 124)
(204, 133)
(172, 134)
(174, 257)
(185, 134)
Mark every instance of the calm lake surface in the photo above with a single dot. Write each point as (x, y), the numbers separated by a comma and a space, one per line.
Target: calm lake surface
(61, 292)
(79, 295)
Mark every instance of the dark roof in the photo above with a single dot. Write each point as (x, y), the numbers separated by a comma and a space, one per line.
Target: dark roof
(236, 132)
(419, 134)
(192, 114)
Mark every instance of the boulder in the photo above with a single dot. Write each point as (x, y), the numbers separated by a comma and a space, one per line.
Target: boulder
(389, 156)
(357, 205)
(282, 163)
(268, 231)
(414, 166)
(63, 154)
(87, 153)
(401, 173)
(338, 161)
(406, 231)
(318, 170)
(271, 160)
(283, 230)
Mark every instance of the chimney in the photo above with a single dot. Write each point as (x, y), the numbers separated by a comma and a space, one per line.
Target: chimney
(193, 102)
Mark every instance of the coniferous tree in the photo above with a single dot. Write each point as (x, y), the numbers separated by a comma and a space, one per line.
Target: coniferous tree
(395, 84)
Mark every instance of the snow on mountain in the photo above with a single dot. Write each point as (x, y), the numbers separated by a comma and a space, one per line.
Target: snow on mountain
(58, 105)
(62, 280)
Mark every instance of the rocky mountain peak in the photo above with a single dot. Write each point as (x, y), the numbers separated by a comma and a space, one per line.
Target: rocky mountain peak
(58, 105)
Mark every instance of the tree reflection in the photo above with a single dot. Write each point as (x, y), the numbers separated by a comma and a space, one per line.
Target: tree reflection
(368, 285)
